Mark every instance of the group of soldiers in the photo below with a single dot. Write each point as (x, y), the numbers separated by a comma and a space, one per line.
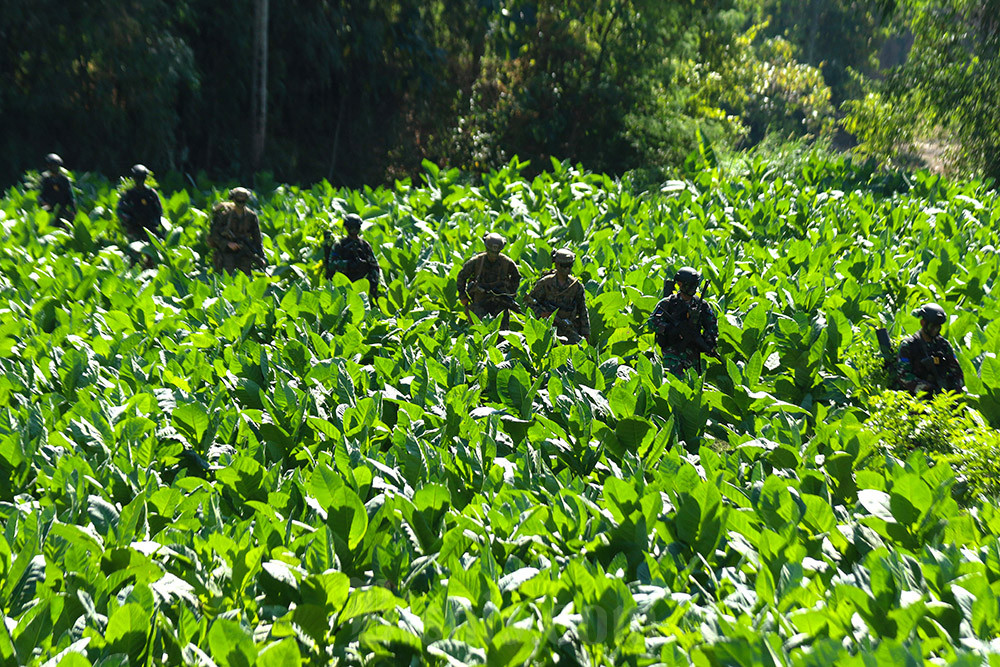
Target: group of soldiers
(234, 235)
(683, 322)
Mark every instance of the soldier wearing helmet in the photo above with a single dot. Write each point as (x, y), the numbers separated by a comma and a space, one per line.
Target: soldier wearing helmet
(139, 208)
(488, 282)
(353, 256)
(559, 294)
(684, 324)
(235, 235)
(56, 192)
(927, 364)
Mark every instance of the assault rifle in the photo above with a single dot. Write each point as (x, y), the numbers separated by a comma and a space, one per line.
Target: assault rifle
(488, 293)
(563, 323)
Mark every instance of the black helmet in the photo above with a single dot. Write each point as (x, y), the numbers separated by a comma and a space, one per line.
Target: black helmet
(239, 194)
(495, 241)
(139, 171)
(53, 160)
(933, 313)
(563, 257)
(687, 277)
(352, 221)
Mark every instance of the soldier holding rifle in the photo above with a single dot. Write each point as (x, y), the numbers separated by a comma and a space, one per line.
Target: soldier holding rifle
(927, 364)
(684, 324)
(488, 282)
(353, 256)
(560, 294)
(235, 235)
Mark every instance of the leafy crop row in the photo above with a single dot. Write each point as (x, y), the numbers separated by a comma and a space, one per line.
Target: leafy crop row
(198, 469)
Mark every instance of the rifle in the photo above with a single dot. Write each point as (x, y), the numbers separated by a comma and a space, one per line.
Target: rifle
(506, 300)
(561, 322)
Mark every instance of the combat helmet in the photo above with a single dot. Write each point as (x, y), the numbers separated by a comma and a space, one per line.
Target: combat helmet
(53, 160)
(932, 313)
(688, 278)
(495, 241)
(563, 257)
(352, 221)
(239, 194)
(139, 171)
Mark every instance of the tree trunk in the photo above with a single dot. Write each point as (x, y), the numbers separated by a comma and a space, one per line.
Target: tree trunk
(258, 107)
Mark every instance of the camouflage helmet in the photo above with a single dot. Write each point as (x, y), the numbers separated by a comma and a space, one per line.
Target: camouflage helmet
(139, 171)
(494, 241)
(687, 277)
(239, 194)
(563, 257)
(933, 313)
(352, 221)
(53, 160)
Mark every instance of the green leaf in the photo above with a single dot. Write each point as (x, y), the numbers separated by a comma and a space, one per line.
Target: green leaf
(127, 631)
(280, 654)
(192, 420)
(877, 503)
(373, 600)
(635, 433)
(230, 645)
(347, 516)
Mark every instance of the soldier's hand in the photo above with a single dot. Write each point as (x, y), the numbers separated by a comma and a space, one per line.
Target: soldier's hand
(464, 300)
(233, 245)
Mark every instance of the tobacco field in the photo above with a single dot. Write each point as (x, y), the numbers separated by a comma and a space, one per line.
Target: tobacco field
(208, 470)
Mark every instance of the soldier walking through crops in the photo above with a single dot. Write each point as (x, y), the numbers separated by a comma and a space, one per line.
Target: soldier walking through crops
(560, 294)
(352, 255)
(684, 324)
(927, 364)
(235, 235)
(489, 281)
(139, 209)
(56, 192)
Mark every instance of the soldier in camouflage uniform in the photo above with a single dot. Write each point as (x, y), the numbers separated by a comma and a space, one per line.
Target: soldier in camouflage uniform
(352, 256)
(684, 324)
(56, 192)
(559, 293)
(489, 280)
(235, 235)
(927, 364)
(139, 208)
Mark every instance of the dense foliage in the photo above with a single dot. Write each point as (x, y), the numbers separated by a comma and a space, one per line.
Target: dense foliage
(360, 92)
(198, 469)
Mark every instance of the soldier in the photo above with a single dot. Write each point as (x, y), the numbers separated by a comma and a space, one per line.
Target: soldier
(56, 192)
(560, 293)
(927, 364)
(684, 324)
(139, 208)
(352, 256)
(235, 235)
(489, 280)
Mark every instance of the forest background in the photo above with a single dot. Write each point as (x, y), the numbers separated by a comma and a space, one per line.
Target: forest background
(362, 91)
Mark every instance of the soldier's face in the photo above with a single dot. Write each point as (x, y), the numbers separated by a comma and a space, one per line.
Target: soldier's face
(562, 270)
(492, 251)
(353, 232)
(931, 329)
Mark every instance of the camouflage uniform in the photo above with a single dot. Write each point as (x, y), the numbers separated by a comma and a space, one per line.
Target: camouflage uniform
(356, 260)
(678, 325)
(930, 364)
(228, 225)
(139, 209)
(479, 276)
(56, 196)
(566, 300)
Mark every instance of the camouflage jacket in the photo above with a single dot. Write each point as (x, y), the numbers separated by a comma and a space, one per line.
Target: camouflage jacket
(566, 301)
(684, 329)
(229, 226)
(139, 208)
(499, 276)
(354, 258)
(56, 194)
(933, 364)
